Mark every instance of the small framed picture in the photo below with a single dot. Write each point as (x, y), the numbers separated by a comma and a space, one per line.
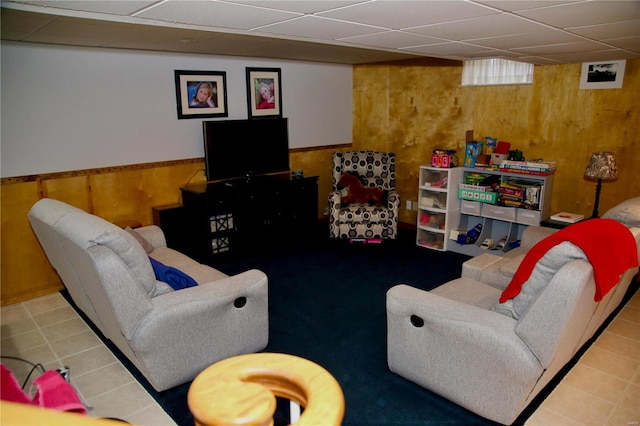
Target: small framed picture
(201, 94)
(602, 75)
(264, 92)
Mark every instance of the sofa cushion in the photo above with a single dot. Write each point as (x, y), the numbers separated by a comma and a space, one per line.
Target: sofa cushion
(173, 258)
(505, 308)
(627, 213)
(146, 245)
(132, 254)
(541, 276)
(200, 273)
(556, 320)
(509, 267)
(469, 291)
(363, 213)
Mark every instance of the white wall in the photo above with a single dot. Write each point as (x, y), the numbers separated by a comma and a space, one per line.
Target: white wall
(71, 108)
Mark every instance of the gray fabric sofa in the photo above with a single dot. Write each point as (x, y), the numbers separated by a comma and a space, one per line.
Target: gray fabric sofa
(493, 358)
(169, 335)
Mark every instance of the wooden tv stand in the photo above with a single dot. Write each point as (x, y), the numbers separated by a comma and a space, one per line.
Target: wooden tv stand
(241, 216)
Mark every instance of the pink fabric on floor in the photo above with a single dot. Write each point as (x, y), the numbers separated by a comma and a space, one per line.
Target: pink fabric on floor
(53, 392)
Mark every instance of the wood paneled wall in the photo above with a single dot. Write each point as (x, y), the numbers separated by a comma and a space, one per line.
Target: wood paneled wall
(116, 194)
(414, 107)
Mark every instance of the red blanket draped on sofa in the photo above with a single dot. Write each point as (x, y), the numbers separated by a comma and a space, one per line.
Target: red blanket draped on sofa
(608, 245)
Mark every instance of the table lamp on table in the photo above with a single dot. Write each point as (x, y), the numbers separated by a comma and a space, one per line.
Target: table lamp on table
(602, 166)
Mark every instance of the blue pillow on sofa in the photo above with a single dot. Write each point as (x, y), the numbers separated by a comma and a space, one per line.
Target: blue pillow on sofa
(176, 279)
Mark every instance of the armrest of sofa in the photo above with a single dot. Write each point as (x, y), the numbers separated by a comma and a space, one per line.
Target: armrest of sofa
(467, 354)
(393, 200)
(335, 203)
(153, 234)
(438, 312)
(194, 315)
(188, 330)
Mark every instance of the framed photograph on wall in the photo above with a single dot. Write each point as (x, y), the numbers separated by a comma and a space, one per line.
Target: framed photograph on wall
(201, 94)
(602, 75)
(264, 92)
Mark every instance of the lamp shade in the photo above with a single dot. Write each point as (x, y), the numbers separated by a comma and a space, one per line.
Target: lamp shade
(602, 166)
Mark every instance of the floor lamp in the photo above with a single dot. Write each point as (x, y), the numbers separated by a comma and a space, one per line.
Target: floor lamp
(602, 166)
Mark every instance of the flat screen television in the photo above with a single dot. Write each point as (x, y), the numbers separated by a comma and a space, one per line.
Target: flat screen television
(245, 148)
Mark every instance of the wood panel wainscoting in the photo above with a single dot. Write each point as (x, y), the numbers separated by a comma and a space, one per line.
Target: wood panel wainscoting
(118, 194)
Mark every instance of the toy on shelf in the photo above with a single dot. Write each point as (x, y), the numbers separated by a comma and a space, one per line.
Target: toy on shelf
(440, 183)
(432, 202)
(471, 236)
(491, 144)
(501, 243)
(444, 158)
(424, 219)
(472, 150)
(487, 244)
(431, 221)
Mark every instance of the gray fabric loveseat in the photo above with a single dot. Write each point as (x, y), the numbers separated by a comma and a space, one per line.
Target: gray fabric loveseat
(169, 335)
(493, 358)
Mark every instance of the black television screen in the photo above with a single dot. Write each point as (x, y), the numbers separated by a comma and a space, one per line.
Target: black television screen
(243, 148)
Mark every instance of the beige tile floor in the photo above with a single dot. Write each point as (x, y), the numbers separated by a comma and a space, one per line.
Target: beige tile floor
(602, 389)
(604, 386)
(48, 331)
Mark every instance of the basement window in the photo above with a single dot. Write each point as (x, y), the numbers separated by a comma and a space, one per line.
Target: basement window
(490, 72)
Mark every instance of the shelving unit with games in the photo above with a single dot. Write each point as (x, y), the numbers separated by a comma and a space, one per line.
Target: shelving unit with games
(502, 219)
(438, 207)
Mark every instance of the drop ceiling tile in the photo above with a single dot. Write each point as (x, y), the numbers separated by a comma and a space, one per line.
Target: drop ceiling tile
(401, 14)
(266, 28)
(300, 6)
(392, 40)
(629, 43)
(342, 54)
(215, 14)
(607, 55)
(613, 30)
(581, 47)
(451, 49)
(319, 28)
(496, 54)
(541, 38)
(585, 13)
(513, 5)
(538, 60)
(486, 26)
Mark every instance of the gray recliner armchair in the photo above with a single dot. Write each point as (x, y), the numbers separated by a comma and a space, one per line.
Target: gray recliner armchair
(169, 335)
(364, 220)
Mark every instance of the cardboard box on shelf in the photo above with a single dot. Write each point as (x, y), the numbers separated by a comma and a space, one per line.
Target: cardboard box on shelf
(471, 152)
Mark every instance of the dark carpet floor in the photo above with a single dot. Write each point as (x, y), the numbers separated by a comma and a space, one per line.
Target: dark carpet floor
(327, 304)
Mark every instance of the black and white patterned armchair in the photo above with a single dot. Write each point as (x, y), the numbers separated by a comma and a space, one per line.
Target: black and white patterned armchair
(360, 220)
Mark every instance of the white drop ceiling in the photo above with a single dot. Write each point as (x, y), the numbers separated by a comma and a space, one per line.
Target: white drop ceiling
(542, 32)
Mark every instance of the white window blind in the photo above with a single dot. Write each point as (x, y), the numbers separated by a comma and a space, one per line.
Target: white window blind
(486, 72)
